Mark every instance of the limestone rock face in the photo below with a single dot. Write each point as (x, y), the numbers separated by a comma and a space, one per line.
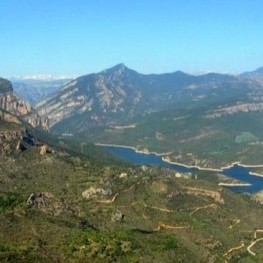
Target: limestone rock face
(99, 97)
(12, 104)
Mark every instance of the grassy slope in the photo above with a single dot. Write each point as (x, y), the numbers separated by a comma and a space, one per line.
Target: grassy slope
(166, 219)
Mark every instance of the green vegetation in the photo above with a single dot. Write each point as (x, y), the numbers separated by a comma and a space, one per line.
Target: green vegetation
(245, 137)
(9, 127)
(69, 206)
(9, 201)
(192, 138)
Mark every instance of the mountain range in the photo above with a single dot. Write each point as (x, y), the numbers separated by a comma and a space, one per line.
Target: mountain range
(118, 94)
(173, 112)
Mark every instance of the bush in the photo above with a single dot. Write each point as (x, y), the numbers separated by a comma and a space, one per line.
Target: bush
(9, 201)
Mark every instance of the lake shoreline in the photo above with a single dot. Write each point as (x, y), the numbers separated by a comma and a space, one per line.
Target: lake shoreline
(192, 166)
(234, 184)
(132, 148)
(164, 158)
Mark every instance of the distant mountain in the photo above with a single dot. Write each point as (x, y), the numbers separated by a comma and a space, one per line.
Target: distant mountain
(44, 77)
(256, 75)
(118, 94)
(258, 72)
(35, 89)
(95, 98)
(11, 103)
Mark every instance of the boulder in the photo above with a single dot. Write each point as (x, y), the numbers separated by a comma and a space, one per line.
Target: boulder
(43, 149)
(20, 147)
(117, 216)
(95, 192)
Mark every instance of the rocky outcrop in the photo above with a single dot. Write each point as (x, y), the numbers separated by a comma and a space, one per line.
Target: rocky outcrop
(258, 197)
(11, 136)
(19, 135)
(20, 147)
(93, 192)
(216, 195)
(47, 203)
(12, 104)
(234, 109)
(16, 140)
(43, 150)
(117, 216)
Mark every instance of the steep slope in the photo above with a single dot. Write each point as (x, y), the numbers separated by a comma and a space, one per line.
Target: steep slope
(11, 103)
(118, 94)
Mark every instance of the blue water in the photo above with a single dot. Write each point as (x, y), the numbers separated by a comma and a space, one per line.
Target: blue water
(242, 174)
(236, 172)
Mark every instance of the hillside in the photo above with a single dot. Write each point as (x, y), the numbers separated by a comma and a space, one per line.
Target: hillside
(59, 207)
(204, 137)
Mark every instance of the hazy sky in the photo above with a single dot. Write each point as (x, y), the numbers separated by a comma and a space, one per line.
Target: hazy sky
(151, 36)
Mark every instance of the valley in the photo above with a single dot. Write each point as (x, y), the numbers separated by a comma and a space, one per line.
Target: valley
(210, 120)
(131, 131)
(64, 199)
(71, 208)
(35, 88)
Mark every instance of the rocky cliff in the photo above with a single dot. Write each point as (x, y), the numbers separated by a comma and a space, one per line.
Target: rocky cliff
(13, 135)
(11, 103)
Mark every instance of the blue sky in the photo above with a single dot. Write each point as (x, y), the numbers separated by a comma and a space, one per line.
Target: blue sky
(151, 36)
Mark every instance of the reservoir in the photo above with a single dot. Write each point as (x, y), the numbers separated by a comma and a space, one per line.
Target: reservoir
(236, 172)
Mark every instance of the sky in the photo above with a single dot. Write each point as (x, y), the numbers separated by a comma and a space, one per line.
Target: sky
(151, 36)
